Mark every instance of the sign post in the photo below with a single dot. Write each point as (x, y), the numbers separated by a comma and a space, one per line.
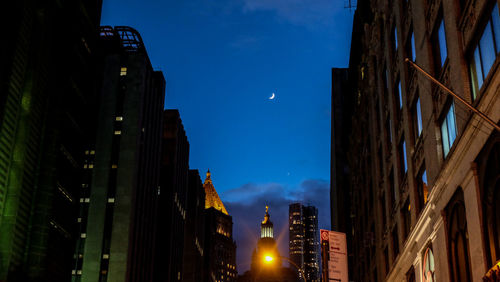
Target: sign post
(334, 256)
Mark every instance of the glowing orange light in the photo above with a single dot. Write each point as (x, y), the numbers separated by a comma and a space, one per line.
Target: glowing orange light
(268, 258)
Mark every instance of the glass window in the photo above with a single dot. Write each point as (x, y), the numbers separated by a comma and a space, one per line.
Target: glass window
(449, 130)
(418, 118)
(413, 51)
(395, 38)
(428, 266)
(495, 19)
(485, 53)
(487, 48)
(400, 95)
(442, 43)
(406, 216)
(123, 71)
(422, 189)
(404, 156)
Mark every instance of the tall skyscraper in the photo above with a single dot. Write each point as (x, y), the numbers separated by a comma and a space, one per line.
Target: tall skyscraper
(47, 121)
(173, 197)
(423, 168)
(119, 202)
(195, 230)
(304, 249)
(220, 248)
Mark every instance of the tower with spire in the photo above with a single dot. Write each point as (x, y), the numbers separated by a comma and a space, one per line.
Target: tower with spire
(220, 248)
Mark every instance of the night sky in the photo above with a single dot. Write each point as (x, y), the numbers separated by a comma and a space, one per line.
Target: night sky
(222, 60)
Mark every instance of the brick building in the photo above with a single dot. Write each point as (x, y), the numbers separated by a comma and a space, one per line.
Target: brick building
(423, 169)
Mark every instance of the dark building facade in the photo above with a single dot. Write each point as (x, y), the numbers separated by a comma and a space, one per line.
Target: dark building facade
(220, 248)
(423, 168)
(340, 193)
(118, 205)
(173, 196)
(47, 122)
(194, 230)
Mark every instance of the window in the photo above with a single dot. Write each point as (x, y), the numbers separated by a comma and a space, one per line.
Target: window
(417, 118)
(400, 98)
(485, 52)
(428, 266)
(123, 71)
(402, 157)
(448, 130)
(458, 242)
(439, 44)
(395, 242)
(422, 188)
(413, 50)
(406, 216)
(393, 190)
(389, 131)
(395, 38)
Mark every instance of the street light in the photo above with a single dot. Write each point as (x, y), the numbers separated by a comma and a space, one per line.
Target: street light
(269, 258)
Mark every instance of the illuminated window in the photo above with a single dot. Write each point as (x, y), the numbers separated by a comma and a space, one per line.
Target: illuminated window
(448, 130)
(105, 256)
(92, 152)
(114, 166)
(485, 52)
(83, 235)
(119, 118)
(111, 200)
(123, 71)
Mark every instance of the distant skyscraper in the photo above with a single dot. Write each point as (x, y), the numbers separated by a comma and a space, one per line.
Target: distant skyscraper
(173, 198)
(119, 203)
(47, 121)
(304, 239)
(220, 249)
(195, 230)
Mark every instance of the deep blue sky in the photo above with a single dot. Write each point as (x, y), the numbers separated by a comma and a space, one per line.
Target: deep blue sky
(222, 59)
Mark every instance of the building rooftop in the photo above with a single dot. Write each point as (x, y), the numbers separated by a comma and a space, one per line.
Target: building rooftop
(212, 199)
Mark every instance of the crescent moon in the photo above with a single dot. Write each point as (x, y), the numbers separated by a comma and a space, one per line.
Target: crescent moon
(272, 96)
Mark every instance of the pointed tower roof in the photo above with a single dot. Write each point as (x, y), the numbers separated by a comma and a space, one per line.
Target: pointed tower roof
(212, 199)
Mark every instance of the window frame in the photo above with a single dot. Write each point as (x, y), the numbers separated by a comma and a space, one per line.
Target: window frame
(477, 74)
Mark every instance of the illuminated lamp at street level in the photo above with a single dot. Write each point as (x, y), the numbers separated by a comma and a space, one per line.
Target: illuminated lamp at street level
(270, 258)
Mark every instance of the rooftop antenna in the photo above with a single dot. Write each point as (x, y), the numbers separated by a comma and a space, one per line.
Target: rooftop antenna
(350, 4)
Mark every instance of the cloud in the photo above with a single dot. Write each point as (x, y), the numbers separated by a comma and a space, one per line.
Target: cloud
(246, 204)
(299, 12)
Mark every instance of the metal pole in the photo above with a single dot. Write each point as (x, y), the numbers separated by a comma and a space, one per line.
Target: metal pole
(483, 116)
(296, 266)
